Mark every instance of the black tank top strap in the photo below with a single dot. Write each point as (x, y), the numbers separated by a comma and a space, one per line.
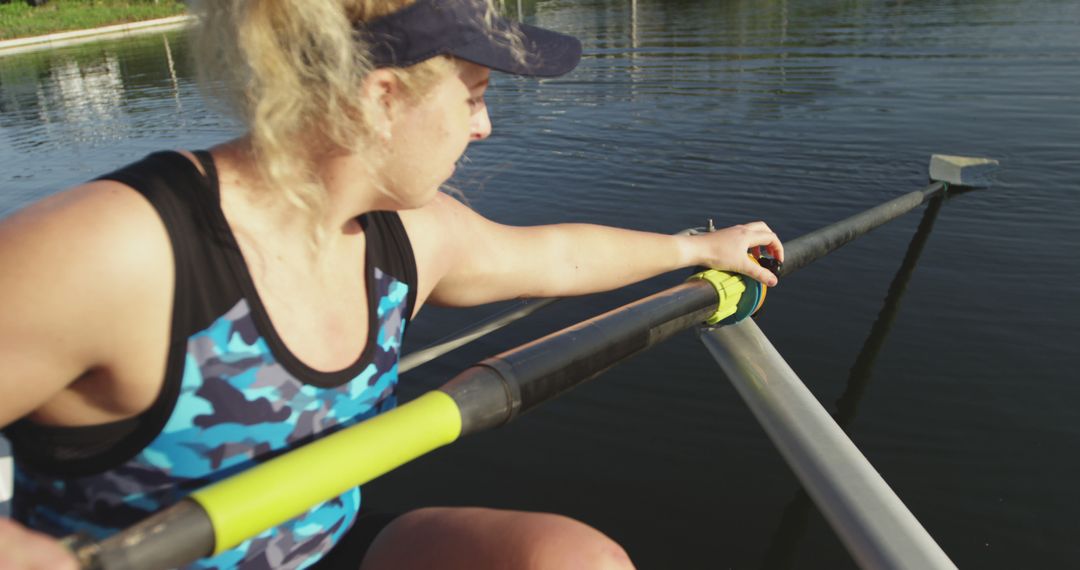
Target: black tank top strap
(390, 250)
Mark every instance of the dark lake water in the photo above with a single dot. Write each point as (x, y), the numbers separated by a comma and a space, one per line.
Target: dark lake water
(965, 394)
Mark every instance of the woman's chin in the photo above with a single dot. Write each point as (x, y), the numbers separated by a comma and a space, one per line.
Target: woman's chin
(419, 199)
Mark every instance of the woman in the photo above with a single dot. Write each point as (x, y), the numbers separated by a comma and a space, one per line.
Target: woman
(197, 312)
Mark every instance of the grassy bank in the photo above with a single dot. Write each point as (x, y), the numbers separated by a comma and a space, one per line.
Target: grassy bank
(18, 19)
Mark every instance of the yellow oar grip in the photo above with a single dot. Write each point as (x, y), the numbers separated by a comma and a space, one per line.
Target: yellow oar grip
(267, 495)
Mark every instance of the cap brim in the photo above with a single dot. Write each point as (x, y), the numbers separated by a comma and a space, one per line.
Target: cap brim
(547, 53)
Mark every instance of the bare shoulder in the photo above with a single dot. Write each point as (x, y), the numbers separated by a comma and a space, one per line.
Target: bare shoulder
(101, 224)
(458, 251)
(79, 272)
(443, 221)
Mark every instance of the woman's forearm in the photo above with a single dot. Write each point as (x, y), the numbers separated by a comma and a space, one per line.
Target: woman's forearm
(577, 259)
(472, 260)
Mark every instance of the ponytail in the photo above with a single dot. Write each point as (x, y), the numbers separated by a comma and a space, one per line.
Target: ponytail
(292, 70)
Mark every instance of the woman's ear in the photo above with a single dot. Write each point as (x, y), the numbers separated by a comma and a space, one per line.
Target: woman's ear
(382, 93)
(382, 85)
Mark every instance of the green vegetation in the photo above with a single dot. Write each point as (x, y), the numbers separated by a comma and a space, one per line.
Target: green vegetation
(18, 19)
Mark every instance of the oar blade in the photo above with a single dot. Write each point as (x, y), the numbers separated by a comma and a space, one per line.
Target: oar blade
(967, 171)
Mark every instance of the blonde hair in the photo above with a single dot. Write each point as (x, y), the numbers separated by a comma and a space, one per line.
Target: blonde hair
(290, 68)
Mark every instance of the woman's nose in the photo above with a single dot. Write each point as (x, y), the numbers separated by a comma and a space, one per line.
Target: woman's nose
(480, 127)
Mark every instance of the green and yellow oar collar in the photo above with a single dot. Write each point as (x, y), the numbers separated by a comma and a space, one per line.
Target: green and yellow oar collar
(738, 296)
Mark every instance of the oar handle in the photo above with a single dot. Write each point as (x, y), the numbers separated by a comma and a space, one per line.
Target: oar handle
(224, 514)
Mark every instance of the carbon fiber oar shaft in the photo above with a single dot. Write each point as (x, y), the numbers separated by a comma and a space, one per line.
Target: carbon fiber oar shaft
(810, 247)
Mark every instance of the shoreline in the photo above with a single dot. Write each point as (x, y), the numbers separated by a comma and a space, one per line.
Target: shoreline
(75, 37)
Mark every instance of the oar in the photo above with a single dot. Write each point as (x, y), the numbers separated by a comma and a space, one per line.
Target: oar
(489, 394)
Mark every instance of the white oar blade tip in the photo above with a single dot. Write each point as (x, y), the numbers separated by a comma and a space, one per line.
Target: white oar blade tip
(969, 171)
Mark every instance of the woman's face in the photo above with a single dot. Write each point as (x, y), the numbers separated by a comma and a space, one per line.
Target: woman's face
(428, 136)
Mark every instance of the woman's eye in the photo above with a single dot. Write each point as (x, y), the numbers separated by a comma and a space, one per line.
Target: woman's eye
(476, 102)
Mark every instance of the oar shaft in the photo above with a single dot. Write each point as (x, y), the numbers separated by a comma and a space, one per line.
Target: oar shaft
(496, 390)
(810, 247)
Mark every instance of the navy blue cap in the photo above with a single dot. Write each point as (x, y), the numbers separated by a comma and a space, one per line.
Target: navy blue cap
(429, 28)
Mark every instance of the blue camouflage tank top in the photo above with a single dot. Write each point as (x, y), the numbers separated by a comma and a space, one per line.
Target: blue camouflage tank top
(233, 394)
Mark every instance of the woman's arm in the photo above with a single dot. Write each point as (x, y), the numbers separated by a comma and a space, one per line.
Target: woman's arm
(86, 280)
(469, 260)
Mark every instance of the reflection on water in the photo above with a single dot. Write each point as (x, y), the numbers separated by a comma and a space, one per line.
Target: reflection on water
(77, 100)
(65, 113)
(800, 113)
(70, 100)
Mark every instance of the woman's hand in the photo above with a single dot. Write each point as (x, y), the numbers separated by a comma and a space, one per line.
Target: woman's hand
(726, 250)
(24, 549)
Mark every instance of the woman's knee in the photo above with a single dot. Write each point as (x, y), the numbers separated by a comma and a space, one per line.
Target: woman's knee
(556, 541)
(488, 538)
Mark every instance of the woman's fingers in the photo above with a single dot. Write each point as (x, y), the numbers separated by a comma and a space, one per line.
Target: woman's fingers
(758, 273)
(777, 251)
(772, 244)
(775, 247)
(767, 238)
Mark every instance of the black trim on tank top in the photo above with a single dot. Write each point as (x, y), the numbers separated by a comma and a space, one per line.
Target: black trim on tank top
(67, 443)
(374, 244)
(288, 360)
(386, 224)
(391, 226)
